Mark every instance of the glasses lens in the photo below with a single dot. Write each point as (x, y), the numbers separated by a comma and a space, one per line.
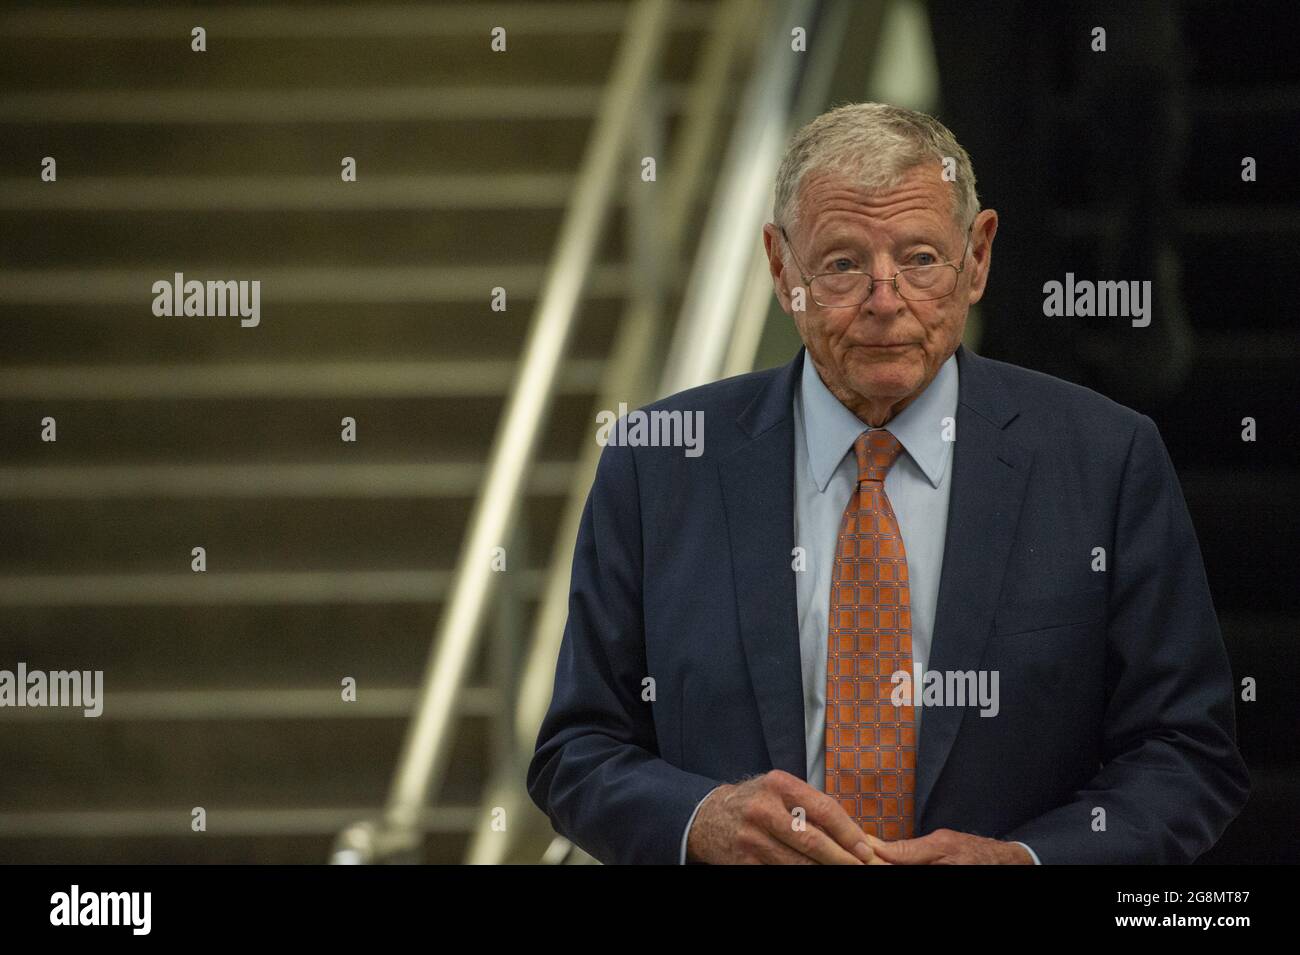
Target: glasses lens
(850, 288)
(927, 281)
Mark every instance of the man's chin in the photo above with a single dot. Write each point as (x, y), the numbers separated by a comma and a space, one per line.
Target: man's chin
(884, 383)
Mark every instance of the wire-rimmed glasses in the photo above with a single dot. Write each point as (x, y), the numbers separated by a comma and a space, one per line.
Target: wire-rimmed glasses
(916, 283)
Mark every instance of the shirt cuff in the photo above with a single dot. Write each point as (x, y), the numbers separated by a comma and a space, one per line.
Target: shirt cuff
(1032, 853)
(686, 833)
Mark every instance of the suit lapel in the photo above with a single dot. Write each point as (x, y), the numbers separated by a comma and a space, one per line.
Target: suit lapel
(989, 475)
(758, 494)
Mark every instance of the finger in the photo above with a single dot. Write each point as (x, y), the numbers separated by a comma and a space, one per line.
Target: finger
(775, 852)
(770, 833)
(833, 824)
(771, 849)
(809, 840)
(920, 851)
(827, 812)
(874, 843)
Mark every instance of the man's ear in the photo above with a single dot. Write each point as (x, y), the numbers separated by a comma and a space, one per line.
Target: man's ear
(774, 246)
(981, 243)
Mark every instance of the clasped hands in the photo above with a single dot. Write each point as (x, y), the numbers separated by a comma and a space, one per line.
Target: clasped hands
(756, 822)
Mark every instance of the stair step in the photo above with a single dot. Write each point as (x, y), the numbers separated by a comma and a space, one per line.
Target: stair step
(252, 430)
(336, 104)
(267, 704)
(467, 284)
(370, 21)
(243, 244)
(228, 589)
(206, 481)
(227, 824)
(171, 639)
(464, 378)
(428, 192)
(136, 847)
(92, 764)
(129, 333)
(243, 59)
(295, 147)
(57, 537)
(274, 821)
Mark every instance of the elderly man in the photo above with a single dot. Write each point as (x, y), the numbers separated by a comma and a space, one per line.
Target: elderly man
(911, 605)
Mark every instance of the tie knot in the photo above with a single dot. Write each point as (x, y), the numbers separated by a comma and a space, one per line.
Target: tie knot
(877, 451)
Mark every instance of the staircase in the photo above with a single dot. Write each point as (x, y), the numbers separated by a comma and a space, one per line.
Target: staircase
(326, 559)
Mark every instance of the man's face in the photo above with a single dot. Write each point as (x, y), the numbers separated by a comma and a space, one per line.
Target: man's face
(878, 356)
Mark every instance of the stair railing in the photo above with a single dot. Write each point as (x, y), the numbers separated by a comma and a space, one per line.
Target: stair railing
(397, 835)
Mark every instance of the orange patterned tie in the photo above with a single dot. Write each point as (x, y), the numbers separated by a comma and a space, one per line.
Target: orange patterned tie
(870, 742)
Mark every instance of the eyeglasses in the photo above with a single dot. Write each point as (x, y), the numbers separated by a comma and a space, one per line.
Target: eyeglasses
(916, 283)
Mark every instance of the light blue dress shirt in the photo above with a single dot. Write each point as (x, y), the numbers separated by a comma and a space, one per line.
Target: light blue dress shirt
(918, 486)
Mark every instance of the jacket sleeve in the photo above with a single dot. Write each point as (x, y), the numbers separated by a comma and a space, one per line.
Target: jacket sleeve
(597, 772)
(1171, 777)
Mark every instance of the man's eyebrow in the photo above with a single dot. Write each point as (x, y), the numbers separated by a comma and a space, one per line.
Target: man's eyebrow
(821, 246)
(920, 237)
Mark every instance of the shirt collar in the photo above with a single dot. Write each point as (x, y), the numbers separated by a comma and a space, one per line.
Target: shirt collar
(830, 428)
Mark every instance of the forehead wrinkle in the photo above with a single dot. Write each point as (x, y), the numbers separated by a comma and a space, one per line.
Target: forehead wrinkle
(912, 185)
(835, 233)
(830, 194)
(851, 203)
(844, 226)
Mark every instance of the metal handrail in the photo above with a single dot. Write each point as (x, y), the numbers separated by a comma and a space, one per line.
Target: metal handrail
(724, 267)
(628, 378)
(427, 745)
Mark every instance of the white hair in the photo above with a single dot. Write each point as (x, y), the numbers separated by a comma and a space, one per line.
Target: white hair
(874, 145)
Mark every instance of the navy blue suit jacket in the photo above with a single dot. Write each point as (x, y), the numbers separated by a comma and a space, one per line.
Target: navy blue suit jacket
(1115, 688)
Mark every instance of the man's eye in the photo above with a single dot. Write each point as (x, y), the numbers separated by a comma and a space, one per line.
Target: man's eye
(923, 258)
(849, 265)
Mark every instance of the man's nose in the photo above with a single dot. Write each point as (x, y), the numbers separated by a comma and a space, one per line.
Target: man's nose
(883, 295)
